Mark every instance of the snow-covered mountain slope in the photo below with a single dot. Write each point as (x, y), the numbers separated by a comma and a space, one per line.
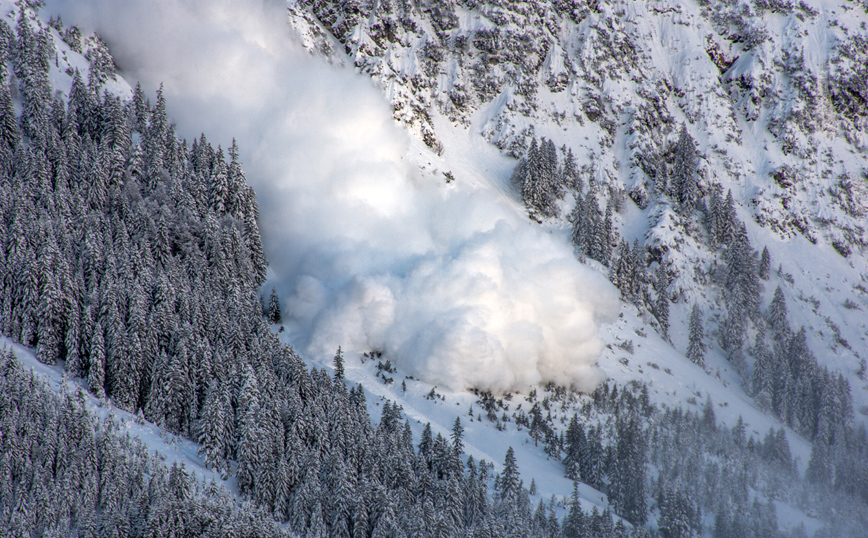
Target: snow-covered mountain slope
(385, 244)
(171, 449)
(773, 93)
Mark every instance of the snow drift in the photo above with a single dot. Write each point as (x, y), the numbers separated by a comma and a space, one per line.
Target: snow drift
(367, 251)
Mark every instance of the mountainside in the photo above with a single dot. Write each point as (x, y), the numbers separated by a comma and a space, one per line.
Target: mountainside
(770, 96)
(614, 82)
(612, 284)
(659, 112)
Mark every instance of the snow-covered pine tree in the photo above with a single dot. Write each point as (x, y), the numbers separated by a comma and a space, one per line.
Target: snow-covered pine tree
(575, 446)
(274, 314)
(678, 516)
(212, 427)
(685, 172)
(696, 346)
(338, 363)
(627, 488)
(570, 173)
(96, 368)
(249, 452)
(457, 452)
(508, 481)
(728, 222)
(742, 286)
(574, 522)
(661, 312)
(32, 60)
(713, 215)
(765, 264)
(9, 131)
(777, 316)
(102, 65)
(535, 176)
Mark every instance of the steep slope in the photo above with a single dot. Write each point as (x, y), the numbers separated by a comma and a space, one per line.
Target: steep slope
(772, 97)
(754, 478)
(771, 94)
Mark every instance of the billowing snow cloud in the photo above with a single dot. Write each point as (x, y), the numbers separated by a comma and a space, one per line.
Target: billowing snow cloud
(452, 283)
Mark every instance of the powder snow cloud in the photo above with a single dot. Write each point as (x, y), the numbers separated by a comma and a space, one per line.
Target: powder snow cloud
(451, 283)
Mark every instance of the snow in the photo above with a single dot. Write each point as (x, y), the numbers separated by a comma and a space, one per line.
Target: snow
(372, 249)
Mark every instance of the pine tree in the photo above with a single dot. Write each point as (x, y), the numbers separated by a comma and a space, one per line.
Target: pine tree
(508, 481)
(570, 173)
(607, 234)
(574, 524)
(10, 135)
(248, 431)
(274, 314)
(763, 379)
(708, 418)
(598, 243)
(155, 140)
(765, 264)
(457, 437)
(591, 460)
(361, 525)
(535, 177)
(578, 233)
(212, 427)
(339, 365)
(713, 214)
(777, 316)
(96, 370)
(629, 467)
(575, 445)
(628, 477)
(728, 221)
(738, 433)
(623, 273)
(742, 287)
(102, 65)
(696, 345)
(32, 60)
(661, 312)
(677, 515)
(49, 339)
(684, 173)
(733, 331)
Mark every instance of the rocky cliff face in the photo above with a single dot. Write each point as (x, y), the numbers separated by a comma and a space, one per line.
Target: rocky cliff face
(775, 92)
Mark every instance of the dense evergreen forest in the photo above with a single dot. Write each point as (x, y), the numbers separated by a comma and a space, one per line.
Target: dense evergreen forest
(693, 475)
(64, 473)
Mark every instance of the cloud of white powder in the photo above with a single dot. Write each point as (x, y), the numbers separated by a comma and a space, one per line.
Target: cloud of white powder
(451, 283)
